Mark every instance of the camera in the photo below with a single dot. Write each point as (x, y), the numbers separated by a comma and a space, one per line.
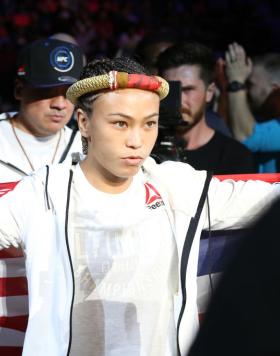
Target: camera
(168, 145)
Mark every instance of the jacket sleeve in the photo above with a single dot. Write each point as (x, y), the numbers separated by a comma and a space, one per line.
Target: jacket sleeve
(15, 212)
(233, 205)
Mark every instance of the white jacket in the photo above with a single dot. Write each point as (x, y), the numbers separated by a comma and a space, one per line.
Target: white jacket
(36, 215)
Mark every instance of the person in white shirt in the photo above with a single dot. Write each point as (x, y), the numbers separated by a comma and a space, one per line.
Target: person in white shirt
(37, 134)
(112, 242)
(34, 136)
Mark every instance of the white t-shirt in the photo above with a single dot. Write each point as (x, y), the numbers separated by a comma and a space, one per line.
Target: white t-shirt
(125, 265)
(40, 149)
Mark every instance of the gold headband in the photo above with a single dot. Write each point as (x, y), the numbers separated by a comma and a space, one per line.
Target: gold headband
(116, 80)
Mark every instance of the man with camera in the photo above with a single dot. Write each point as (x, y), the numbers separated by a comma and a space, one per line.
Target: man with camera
(193, 65)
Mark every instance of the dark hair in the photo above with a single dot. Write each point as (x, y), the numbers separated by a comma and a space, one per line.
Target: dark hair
(99, 67)
(104, 66)
(145, 53)
(188, 53)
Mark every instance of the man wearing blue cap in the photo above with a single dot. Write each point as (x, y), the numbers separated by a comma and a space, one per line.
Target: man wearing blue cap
(34, 136)
(37, 134)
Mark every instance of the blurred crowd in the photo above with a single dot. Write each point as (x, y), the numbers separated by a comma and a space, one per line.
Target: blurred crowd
(103, 28)
(242, 35)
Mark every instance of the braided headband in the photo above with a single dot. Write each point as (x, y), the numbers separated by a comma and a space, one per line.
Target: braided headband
(115, 80)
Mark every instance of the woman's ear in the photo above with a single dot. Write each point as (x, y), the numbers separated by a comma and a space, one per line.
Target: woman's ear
(83, 122)
(18, 88)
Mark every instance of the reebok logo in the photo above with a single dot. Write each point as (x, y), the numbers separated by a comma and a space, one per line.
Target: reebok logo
(153, 198)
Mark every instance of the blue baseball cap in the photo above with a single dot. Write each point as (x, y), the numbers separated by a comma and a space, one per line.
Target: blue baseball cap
(50, 62)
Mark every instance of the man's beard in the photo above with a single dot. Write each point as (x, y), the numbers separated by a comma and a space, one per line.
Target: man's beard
(195, 119)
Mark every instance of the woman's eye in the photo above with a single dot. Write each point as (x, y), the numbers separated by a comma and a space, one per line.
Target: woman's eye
(120, 124)
(151, 123)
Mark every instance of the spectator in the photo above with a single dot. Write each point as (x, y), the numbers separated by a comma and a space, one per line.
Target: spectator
(37, 134)
(147, 53)
(263, 78)
(63, 36)
(150, 47)
(106, 239)
(193, 65)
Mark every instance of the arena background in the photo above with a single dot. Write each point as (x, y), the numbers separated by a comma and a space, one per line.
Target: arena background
(104, 27)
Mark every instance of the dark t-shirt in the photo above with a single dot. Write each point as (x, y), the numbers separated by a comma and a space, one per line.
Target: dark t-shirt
(221, 155)
(217, 123)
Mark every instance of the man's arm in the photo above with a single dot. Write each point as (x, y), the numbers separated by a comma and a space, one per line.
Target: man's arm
(238, 69)
(242, 120)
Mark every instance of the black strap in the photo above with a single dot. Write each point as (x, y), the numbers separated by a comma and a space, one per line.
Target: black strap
(67, 148)
(70, 259)
(186, 250)
(46, 186)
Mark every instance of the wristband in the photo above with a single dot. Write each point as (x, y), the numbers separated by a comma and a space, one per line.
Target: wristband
(236, 86)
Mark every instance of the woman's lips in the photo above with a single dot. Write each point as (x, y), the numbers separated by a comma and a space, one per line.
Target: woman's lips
(132, 161)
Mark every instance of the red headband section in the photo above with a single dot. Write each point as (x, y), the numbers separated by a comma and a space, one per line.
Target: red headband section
(139, 81)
